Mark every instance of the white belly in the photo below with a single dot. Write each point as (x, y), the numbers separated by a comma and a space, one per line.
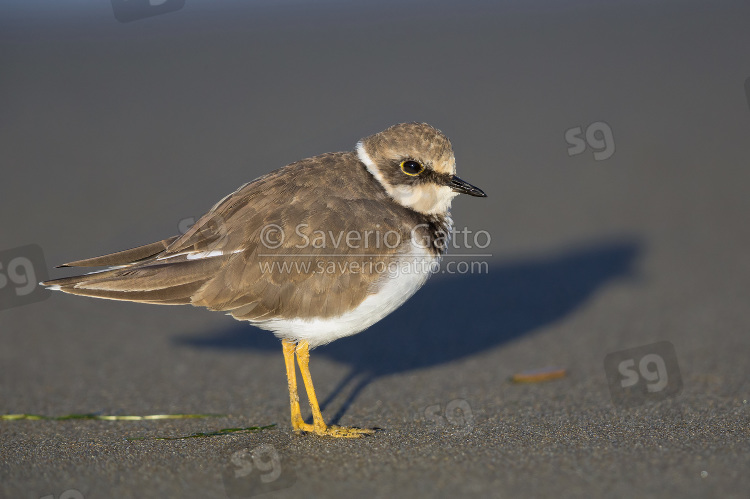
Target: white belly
(391, 294)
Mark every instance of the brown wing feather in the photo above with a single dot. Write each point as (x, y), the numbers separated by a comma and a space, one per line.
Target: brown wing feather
(171, 284)
(125, 257)
(177, 295)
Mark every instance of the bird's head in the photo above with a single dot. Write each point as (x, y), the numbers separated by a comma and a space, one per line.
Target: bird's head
(414, 163)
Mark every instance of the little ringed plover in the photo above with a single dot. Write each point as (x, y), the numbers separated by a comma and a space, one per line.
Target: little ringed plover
(315, 251)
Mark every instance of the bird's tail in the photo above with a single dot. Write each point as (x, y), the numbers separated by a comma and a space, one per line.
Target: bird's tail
(139, 275)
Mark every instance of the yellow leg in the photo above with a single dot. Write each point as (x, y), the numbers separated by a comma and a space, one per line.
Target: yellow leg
(298, 424)
(319, 426)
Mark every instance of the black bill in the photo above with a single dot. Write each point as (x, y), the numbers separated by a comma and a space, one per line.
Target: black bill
(463, 187)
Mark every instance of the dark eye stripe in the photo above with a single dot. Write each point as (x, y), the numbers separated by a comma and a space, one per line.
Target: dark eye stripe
(411, 167)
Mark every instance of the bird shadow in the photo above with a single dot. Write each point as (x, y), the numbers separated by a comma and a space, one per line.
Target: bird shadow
(456, 316)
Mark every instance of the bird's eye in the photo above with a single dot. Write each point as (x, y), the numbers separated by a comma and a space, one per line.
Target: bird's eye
(411, 167)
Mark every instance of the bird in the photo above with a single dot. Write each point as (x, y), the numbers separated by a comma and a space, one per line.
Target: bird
(315, 251)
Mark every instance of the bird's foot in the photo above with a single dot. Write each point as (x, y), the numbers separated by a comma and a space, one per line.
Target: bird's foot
(343, 431)
(333, 430)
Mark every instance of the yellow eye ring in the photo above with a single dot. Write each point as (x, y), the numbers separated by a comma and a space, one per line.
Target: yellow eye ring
(411, 167)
